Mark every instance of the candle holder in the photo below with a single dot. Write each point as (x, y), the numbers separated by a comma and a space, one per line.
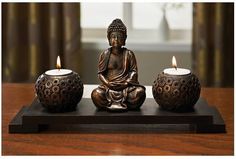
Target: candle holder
(176, 92)
(59, 93)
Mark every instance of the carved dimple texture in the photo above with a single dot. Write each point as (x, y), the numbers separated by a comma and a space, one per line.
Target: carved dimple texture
(59, 94)
(176, 93)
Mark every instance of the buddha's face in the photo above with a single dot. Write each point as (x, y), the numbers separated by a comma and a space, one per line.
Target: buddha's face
(117, 39)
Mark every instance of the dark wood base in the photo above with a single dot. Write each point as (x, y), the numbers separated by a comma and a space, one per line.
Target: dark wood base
(203, 119)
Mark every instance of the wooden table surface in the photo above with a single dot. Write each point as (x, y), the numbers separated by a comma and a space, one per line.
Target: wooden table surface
(14, 96)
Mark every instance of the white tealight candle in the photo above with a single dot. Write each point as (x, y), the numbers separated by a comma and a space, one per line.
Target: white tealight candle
(175, 70)
(58, 72)
(178, 71)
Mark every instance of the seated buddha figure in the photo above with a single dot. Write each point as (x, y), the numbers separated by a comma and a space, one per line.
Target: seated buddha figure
(117, 70)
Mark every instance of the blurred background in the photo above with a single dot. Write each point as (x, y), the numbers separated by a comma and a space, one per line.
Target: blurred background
(199, 35)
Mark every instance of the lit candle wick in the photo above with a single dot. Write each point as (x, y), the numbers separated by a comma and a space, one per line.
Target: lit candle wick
(58, 66)
(175, 67)
(174, 63)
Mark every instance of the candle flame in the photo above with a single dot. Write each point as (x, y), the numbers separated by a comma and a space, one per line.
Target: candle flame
(58, 63)
(174, 63)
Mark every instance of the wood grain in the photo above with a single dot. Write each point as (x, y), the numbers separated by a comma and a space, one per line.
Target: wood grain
(67, 142)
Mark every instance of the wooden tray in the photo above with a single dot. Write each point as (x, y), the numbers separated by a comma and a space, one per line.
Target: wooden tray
(204, 118)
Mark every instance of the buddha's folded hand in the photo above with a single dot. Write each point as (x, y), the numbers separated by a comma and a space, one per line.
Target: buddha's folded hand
(118, 86)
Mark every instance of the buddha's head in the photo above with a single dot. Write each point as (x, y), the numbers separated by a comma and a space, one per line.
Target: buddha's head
(117, 33)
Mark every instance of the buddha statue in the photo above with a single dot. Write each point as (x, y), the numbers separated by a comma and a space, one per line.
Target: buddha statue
(117, 70)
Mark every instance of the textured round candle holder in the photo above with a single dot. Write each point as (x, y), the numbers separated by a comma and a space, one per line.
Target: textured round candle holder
(176, 92)
(59, 93)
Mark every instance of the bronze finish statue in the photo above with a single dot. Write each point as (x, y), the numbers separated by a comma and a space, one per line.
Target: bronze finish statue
(117, 70)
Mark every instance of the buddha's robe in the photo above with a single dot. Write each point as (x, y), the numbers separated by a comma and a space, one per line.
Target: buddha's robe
(130, 97)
